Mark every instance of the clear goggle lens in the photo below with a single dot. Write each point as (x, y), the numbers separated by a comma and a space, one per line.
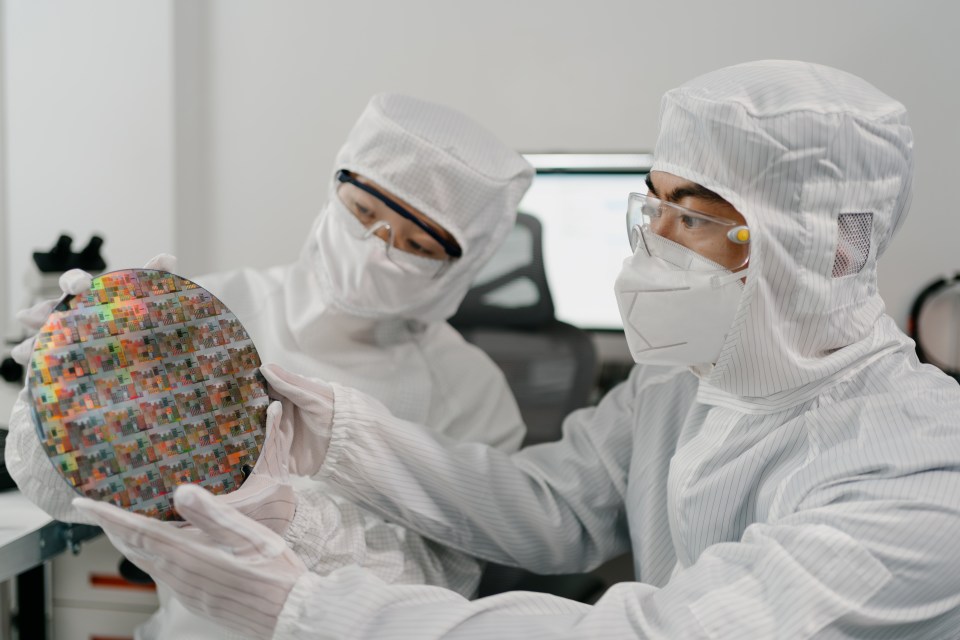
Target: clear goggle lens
(382, 230)
(717, 239)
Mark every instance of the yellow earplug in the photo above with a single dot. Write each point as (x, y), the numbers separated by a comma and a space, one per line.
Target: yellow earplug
(740, 235)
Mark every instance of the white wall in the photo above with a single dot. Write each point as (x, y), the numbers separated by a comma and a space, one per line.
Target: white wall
(234, 151)
(89, 124)
(287, 79)
(4, 251)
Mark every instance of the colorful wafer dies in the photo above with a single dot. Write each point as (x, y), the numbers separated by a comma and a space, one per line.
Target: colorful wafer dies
(143, 383)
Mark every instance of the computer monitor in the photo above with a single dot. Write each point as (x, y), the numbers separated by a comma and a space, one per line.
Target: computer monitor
(581, 201)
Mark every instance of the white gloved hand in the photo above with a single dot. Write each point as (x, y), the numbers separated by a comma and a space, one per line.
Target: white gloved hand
(72, 282)
(308, 409)
(226, 566)
(162, 262)
(267, 496)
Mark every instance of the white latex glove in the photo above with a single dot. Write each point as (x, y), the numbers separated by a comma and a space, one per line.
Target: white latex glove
(308, 409)
(267, 496)
(226, 566)
(72, 282)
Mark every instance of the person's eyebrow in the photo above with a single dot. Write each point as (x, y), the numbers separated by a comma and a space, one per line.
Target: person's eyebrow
(694, 191)
(650, 187)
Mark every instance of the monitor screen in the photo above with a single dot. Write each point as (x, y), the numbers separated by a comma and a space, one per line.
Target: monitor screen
(581, 201)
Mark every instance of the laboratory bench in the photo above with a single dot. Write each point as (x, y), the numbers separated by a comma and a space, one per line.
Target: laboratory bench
(60, 596)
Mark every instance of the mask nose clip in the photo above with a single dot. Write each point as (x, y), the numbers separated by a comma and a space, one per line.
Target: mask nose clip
(380, 224)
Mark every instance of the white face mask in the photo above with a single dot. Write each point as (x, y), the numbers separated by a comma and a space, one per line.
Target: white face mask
(356, 275)
(676, 308)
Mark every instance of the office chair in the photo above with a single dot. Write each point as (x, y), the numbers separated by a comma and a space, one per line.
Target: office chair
(550, 366)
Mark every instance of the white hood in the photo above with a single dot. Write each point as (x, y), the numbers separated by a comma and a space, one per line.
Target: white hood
(449, 168)
(794, 147)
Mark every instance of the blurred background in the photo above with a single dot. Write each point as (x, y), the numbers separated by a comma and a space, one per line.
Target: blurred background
(208, 128)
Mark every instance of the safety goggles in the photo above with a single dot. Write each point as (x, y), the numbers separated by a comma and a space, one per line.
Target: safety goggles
(451, 249)
(717, 239)
(381, 231)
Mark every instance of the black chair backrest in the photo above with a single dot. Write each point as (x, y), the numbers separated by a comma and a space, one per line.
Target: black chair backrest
(511, 290)
(550, 366)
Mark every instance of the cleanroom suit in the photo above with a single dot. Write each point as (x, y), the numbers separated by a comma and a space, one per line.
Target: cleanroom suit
(806, 484)
(408, 357)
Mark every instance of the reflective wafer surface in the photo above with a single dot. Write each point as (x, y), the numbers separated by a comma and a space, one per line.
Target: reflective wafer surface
(143, 383)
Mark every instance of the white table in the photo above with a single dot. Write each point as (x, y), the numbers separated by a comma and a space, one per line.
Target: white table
(29, 537)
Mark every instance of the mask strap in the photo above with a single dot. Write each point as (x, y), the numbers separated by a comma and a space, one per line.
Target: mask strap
(727, 278)
(638, 241)
(443, 269)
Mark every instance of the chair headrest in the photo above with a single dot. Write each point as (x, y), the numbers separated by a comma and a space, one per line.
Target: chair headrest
(511, 289)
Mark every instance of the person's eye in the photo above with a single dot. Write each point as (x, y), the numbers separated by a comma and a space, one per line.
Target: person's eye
(691, 222)
(364, 213)
(421, 250)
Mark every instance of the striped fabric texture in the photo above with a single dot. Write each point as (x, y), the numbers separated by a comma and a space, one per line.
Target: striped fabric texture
(460, 175)
(449, 168)
(806, 486)
(422, 371)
